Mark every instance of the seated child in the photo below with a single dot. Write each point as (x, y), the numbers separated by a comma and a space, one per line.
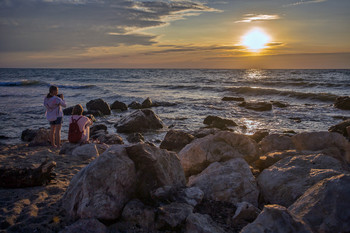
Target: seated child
(83, 122)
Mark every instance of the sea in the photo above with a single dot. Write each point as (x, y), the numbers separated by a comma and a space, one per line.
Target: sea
(193, 93)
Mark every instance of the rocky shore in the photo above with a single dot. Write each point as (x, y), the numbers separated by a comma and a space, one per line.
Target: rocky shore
(209, 180)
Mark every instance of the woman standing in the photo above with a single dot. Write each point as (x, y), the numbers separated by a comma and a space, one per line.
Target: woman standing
(54, 114)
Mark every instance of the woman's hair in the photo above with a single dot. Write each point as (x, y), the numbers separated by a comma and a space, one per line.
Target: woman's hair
(77, 110)
(51, 89)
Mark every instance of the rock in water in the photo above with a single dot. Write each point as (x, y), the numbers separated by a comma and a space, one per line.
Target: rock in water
(277, 219)
(341, 128)
(135, 105)
(27, 177)
(197, 155)
(230, 181)
(99, 105)
(147, 103)
(138, 121)
(342, 103)
(325, 207)
(155, 168)
(101, 189)
(119, 106)
(285, 181)
(175, 140)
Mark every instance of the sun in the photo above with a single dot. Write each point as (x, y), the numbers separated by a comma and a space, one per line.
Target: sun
(255, 40)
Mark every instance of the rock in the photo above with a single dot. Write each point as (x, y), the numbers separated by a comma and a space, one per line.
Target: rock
(202, 223)
(94, 113)
(138, 121)
(137, 213)
(42, 138)
(217, 122)
(68, 111)
(98, 105)
(197, 155)
(259, 135)
(135, 105)
(279, 104)
(12, 177)
(341, 128)
(96, 128)
(342, 103)
(89, 225)
(119, 106)
(166, 194)
(110, 139)
(86, 151)
(325, 207)
(147, 103)
(192, 196)
(257, 106)
(285, 181)
(162, 104)
(175, 140)
(155, 168)
(101, 189)
(28, 134)
(135, 138)
(201, 133)
(245, 213)
(231, 98)
(173, 215)
(67, 148)
(321, 140)
(276, 142)
(277, 219)
(230, 181)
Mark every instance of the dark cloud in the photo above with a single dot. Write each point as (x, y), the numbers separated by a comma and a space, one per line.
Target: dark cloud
(41, 25)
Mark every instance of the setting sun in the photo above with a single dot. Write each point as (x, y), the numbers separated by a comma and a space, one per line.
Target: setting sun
(255, 40)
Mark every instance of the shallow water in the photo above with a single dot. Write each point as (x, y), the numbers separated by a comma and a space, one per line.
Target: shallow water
(197, 94)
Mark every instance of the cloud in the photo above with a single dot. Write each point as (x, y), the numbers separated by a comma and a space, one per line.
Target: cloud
(305, 2)
(43, 25)
(248, 18)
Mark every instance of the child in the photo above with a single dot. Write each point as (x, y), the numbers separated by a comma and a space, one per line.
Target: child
(83, 122)
(54, 114)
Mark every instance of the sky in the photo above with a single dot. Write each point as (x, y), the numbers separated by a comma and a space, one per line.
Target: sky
(293, 34)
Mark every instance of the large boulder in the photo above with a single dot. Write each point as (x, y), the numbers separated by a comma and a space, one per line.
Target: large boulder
(117, 105)
(155, 168)
(341, 128)
(138, 121)
(325, 207)
(230, 181)
(342, 102)
(218, 122)
(89, 225)
(285, 181)
(196, 156)
(276, 142)
(99, 105)
(202, 223)
(173, 215)
(257, 106)
(321, 140)
(137, 213)
(86, 151)
(101, 189)
(175, 140)
(277, 219)
(110, 139)
(42, 138)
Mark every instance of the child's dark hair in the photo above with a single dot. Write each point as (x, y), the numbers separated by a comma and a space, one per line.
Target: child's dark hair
(51, 89)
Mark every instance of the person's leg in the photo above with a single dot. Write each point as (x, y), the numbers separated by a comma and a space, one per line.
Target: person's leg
(52, 135)
(58, 135)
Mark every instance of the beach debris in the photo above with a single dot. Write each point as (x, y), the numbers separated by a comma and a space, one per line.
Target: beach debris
(196, 222)
(13, 177)
(218, 122)
(175, 140)
(296, 174)
(276, 142)
(117, 105)
(276, 218)
(256, 106)
(138, 121)
(223, 181)
(98, 105)
(342, 102)
(232, 98)
(341, 128)
(330, 208)
(222, 146)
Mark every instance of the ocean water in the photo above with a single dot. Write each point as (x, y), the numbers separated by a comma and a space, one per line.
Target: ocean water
(310, 95)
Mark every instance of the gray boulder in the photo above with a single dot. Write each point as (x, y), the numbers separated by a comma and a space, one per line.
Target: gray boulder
(201, 223)
(86, 151)
(342, 102)
(341, 128)
(147, 103)
(197, 155)
(173, 215)
(110, 139)
(285, 181)
(117, 105)
(89, 225)
(135, 105)
(276, 142)
(137, 213)
(98, 105)
(277, 219)
(325, 207)
(138, 121)
(230, 181)
(175, 140)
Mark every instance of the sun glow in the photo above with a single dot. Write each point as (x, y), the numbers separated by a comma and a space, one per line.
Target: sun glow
(255, 40)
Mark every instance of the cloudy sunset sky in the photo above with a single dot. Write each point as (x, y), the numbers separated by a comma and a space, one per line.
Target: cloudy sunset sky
(175, 34)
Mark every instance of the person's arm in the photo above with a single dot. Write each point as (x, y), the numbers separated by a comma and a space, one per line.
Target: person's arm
(62, 102)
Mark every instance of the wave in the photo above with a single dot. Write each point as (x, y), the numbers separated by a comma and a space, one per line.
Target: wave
(299, 95)
(22, 83)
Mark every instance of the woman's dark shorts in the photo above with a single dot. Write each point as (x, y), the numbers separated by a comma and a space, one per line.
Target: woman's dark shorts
(58, 121)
